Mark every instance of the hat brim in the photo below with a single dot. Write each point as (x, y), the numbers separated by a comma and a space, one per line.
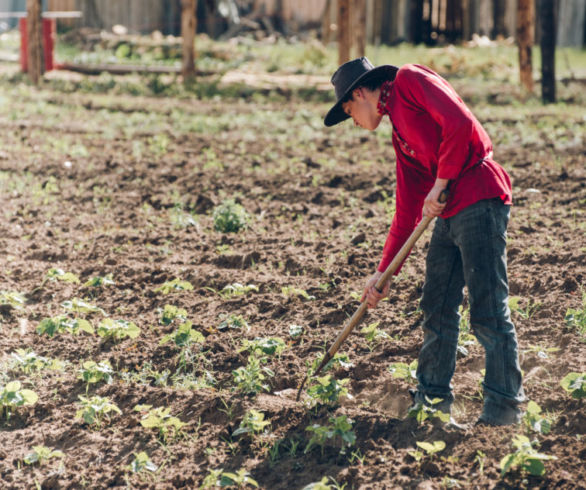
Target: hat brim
(336, 114)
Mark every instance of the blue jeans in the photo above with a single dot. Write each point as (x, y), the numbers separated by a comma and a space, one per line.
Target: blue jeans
(468, 249)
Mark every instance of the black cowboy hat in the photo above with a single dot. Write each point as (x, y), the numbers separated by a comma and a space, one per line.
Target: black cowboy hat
(349, 76)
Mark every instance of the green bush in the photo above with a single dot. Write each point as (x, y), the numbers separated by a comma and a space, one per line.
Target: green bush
(230, 217)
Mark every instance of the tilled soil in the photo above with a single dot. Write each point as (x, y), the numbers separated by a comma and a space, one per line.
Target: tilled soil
(138, 207)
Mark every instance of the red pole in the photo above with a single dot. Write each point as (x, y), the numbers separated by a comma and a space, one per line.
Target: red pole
(49, 31)
(23, 45)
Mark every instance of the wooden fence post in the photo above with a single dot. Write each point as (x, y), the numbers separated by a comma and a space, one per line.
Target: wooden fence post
(547, 20)
(359, 29)
(344, 35)
(525, 30)
(35, 40)
(188, 26)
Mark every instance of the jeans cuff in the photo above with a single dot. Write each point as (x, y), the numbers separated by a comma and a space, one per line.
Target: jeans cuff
(497, 413)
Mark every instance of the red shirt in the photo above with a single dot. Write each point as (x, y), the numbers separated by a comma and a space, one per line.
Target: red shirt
(435, 136)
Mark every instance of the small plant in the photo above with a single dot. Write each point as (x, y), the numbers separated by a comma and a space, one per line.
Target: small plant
(41, 454)
(235, 289)
(405, 371)
(288, 291)
(92, 373)
(429, 449)
(12, 397)
(60, 275)
(327, 390)
(117, 329)
(541, 352)
(525, 458)
(252, 423)
(77, 305)
(28, 362)
(373, 335)
(295, 331)
(250, 379)
(96, 410)
(235, 322)
(170, 313)
(160, 418)
(174, 285)
(221, 478)
(142, 462)
(479, 459)
(576, 318)
(268, 345)
(230, 217)
(326, 483)
(339, 360)
(99, 281)
(184, 336)
(465, 337)
(575, 385)
(12, 298)
(534, 420)
(527, 312)
(422, 411)
(340, 428)
(62, 323)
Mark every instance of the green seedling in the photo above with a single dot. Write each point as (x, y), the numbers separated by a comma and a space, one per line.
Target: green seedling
(77, 305)
(92, 373)
(576, 318)
(171, 313)
(96, 410)
(173, 286)
(373, 335)
(12, 298)
(60, 275)
(235, 289)
(147, 376)
(405, 371)
(465, 337)
(575, 385)
(62, 323)
(12, 397)
(288, 291)
(527, 312)
(221, 478)
(541, 352)
(28, 362)
(269, 345)
(252, 423)
(250, 379)
(160, 418)
(339, 429)
(42, 454)
(428, 449)
(181, 219)
(230, 217)
(184, 336)
(479, 459)
(99, 281)
(117, 329)
(526, 458)
(326, 483)
(142, 462)
(295, 331)
(533, 419)
(340, 360)
(422, 412)
(233, 321)
(327, 390)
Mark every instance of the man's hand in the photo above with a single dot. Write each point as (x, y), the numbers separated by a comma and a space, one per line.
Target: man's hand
(431, 206)
(370, 294)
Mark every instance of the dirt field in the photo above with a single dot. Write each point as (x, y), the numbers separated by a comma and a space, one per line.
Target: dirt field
(100, 185)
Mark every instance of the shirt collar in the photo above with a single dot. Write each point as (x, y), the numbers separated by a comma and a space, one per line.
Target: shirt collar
(383, 99)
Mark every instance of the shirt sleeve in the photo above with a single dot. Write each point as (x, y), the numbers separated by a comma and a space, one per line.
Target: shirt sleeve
(432, 94)
(412, 187)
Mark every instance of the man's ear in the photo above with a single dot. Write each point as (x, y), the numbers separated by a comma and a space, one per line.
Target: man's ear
(358, 92)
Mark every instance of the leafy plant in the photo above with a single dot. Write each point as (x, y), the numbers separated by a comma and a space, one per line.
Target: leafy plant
(233, 321)
(117, 329)
(28, 362)
(96, 410)
(268, 345)
(12, 396)
(373, 335)
(526, 458)
(326, 483)
(534, 420)
(428, 449)
(62, 323)
(41, 454)
(295, 331)
(252, 423)
(171, 313)
(422, 411)
(174, 285)
(60, 275)
(327, 390)
(527, 312)
(339, 429)
(541, 352)
(465, 337)
(160, 418)
(288, 291)
(575, 384)
(221, 478)
(250, 379)
(184, 336)
(142, 462)
(404, 371)
(77, 305)
(230, 217)
(339, 360)
(12, 298)
(576, 318)
(99, 281)
(235, 289)
(92, 372)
